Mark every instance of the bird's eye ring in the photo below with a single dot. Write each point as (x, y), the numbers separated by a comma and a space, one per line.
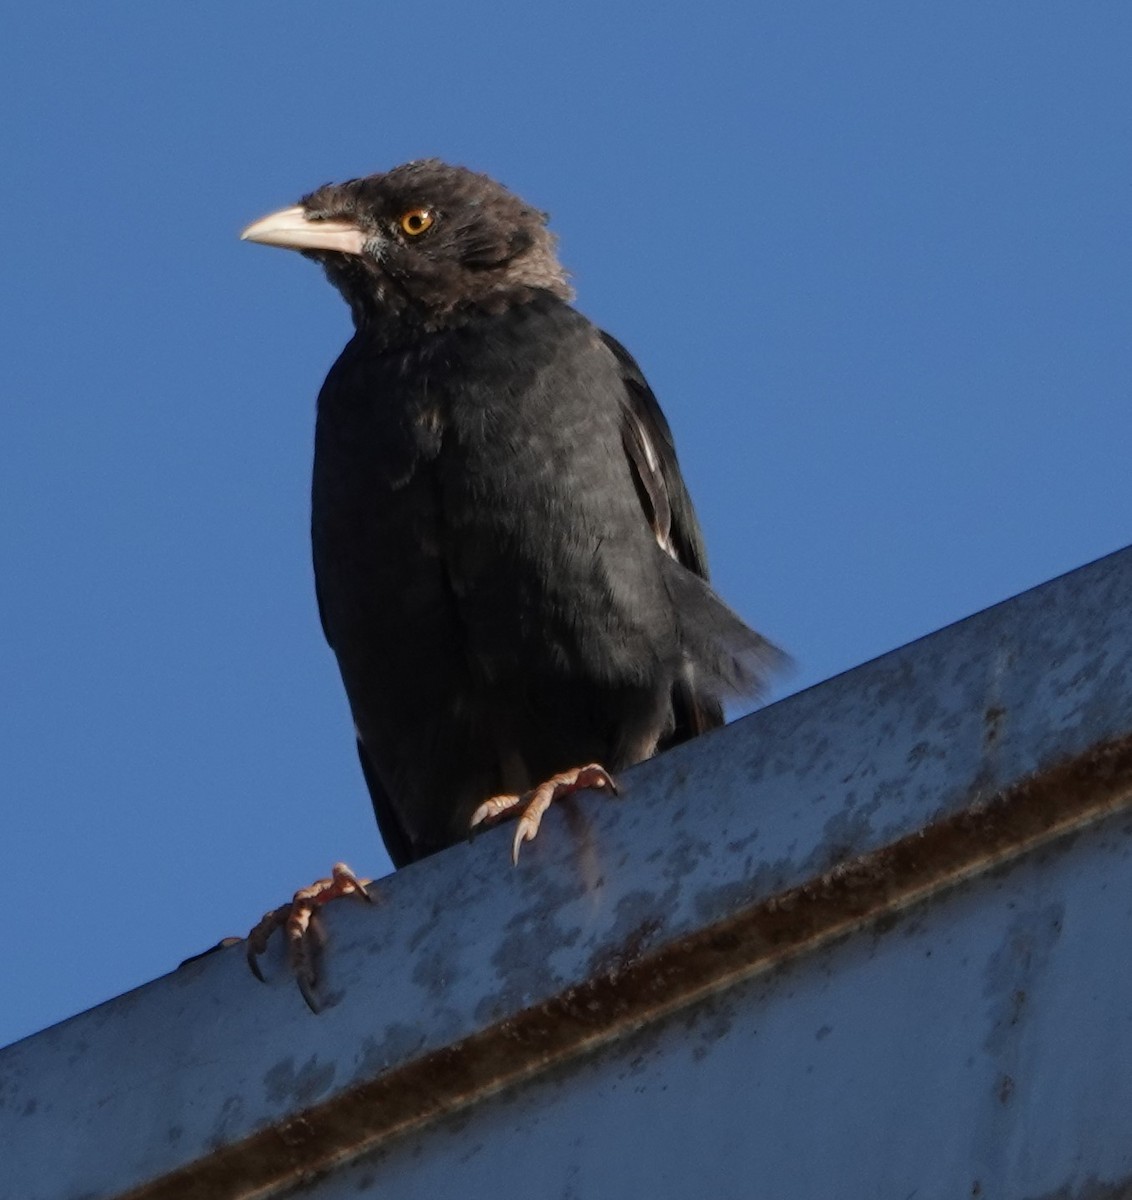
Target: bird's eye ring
(416, 221)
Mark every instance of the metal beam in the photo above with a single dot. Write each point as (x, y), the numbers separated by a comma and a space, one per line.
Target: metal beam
(752, 861)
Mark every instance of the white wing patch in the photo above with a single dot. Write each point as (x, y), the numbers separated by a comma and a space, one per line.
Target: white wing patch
(650, 478)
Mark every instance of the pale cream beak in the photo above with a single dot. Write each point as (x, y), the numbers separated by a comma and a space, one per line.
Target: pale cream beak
(292, 229)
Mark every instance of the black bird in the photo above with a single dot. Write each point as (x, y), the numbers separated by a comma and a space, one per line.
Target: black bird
(508, 565)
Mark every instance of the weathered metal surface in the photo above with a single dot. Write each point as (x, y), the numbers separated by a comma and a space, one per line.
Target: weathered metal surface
(975, 1045)
(797, 840)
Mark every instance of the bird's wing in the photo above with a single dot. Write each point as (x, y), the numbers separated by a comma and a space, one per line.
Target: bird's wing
(393, 833)
(652, 457)
(668, 508)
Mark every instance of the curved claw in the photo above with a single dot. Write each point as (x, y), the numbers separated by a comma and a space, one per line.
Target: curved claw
(305, 948)
(494, 807)
(535, 802)
(252, 955)
(591, 778)
(307, 992)
(258, 938)
(299, 920)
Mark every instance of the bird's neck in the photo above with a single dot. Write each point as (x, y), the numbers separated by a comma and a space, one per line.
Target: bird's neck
(386, 326)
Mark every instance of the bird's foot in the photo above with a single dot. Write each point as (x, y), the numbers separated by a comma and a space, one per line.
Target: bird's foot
(299, 921)
(535, 802)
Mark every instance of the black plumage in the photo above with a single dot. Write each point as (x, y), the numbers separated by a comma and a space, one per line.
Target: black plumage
(508, 565)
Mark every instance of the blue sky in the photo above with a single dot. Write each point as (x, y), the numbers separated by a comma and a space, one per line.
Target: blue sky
(874, 258)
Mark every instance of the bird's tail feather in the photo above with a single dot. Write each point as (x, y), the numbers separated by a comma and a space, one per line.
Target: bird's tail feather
(728, 659)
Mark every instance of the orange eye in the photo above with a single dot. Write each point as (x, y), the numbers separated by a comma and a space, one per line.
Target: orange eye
(416, 221)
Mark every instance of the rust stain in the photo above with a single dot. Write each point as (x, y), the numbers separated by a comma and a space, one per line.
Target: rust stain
(639, 983)
(614, 962)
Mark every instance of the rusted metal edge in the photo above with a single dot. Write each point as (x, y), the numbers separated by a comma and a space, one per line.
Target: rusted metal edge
(641, 984)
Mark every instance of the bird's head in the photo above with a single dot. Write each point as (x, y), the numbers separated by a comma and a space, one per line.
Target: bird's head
(423, 243)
